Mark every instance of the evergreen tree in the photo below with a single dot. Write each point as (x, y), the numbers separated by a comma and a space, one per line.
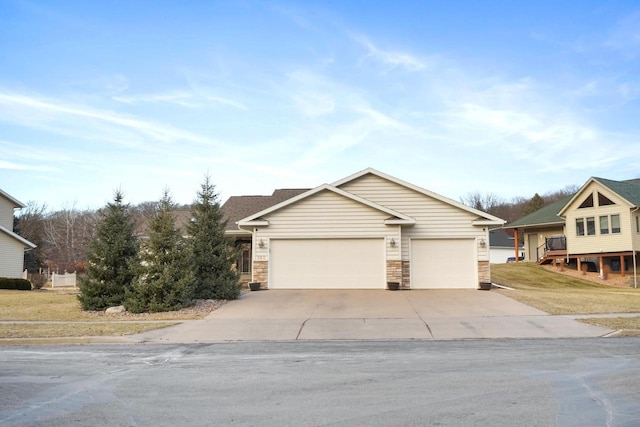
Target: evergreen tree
(164, 281)
(534, 204)
(213, 257)
(113, 254)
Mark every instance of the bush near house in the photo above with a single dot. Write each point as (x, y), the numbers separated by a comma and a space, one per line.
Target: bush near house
(15, 284)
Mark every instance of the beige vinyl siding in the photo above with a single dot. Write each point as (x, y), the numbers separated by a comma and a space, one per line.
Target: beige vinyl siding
(612, 242)
(6, 213)
(434, 217)
(11, 257)
(327, 215)
(634, 232)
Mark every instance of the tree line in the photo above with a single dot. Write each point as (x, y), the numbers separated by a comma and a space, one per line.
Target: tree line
(511, 210)
(138, 256)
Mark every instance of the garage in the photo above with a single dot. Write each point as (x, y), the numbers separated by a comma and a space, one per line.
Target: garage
(443, 264)
(327, 264)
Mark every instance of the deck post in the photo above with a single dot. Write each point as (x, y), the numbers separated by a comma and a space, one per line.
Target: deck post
(621, 265)
(601, 266)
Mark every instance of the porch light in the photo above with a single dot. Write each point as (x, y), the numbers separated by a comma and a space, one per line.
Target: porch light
(483, 243)
(392, 243)
(261, 244)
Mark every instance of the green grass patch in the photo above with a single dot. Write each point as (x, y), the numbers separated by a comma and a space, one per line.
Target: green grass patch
(556, 293)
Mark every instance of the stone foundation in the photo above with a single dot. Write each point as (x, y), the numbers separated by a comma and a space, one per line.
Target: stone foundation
(261, 273)
(394, 271)
(406, 275)
(484, 271)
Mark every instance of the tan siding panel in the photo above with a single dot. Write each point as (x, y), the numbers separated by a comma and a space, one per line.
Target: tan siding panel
(11, 257)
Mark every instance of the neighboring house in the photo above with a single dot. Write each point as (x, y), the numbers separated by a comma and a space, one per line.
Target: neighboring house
(362, 232)
(535, 228)
(12, 246)
(502, 247)
(600, 223)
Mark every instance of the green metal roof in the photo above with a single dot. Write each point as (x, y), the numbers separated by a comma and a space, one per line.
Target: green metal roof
(543, 216)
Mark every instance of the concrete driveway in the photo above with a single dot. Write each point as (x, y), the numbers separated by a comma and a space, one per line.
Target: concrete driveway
(285, 315)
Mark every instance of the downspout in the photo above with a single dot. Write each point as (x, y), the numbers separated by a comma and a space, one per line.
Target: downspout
(633, 251)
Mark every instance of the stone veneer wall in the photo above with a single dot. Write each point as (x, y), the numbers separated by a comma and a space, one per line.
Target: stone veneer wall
(394, 271)
(484, 271)
(261, 273)
(406, 275)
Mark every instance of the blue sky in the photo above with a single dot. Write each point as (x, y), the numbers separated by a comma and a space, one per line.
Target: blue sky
(454, 96)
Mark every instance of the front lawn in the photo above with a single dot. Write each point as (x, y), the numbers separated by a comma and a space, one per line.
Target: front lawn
(557, 293)
(62, 309)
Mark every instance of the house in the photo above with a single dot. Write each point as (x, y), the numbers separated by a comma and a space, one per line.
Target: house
(12, 246)
(502, 247)
(599, 224)
(361, 232)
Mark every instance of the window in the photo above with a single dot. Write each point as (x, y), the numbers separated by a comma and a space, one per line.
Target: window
(579, 226)
(615, 223)
(588, 202)
(604, 200)
(591, 226)
(604, 225)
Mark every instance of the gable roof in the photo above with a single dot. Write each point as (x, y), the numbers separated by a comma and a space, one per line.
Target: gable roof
(548, 215)
(17, 237)
(396, 217)
(486, 219)
(239, 207)
(17, 203)
(628, 190)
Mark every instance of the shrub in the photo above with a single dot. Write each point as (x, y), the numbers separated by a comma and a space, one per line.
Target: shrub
(37, 280)
(15, 284)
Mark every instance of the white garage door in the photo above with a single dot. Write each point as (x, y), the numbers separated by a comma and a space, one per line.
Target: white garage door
(327, 264)
(443, 263)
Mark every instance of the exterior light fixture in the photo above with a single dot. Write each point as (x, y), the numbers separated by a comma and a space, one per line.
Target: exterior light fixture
(392, 243)
(261, 244)
(483, 243)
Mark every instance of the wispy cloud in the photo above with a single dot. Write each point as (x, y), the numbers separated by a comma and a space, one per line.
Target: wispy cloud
(177, 98)
(4, 164)
(34, 111)
(391, 59)
(226, 101)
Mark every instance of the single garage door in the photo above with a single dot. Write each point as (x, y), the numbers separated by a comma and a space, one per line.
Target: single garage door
(327, 264)
(443, 263)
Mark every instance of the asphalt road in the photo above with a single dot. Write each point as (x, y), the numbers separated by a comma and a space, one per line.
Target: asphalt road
(566, 382)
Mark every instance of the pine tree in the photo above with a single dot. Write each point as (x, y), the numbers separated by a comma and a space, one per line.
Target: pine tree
(534, 204)
(212, 255)
(164, 281)
(112, 257)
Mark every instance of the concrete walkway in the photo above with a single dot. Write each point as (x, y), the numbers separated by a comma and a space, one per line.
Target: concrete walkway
(287, 315)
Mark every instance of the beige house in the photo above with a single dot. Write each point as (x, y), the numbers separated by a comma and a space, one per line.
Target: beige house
(12, 246)
(600, 224)
(363, 231)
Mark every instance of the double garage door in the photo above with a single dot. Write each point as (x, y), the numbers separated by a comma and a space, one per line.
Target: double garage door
(360, 264)
(327, 264)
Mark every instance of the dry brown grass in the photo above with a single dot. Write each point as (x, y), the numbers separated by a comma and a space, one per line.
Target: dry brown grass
(557, 293)
(630, 326)
(94, 329)
(61, 306)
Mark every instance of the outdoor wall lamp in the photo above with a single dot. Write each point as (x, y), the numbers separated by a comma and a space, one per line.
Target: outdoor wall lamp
(483, 243)
(261, 244)
(392, 243)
